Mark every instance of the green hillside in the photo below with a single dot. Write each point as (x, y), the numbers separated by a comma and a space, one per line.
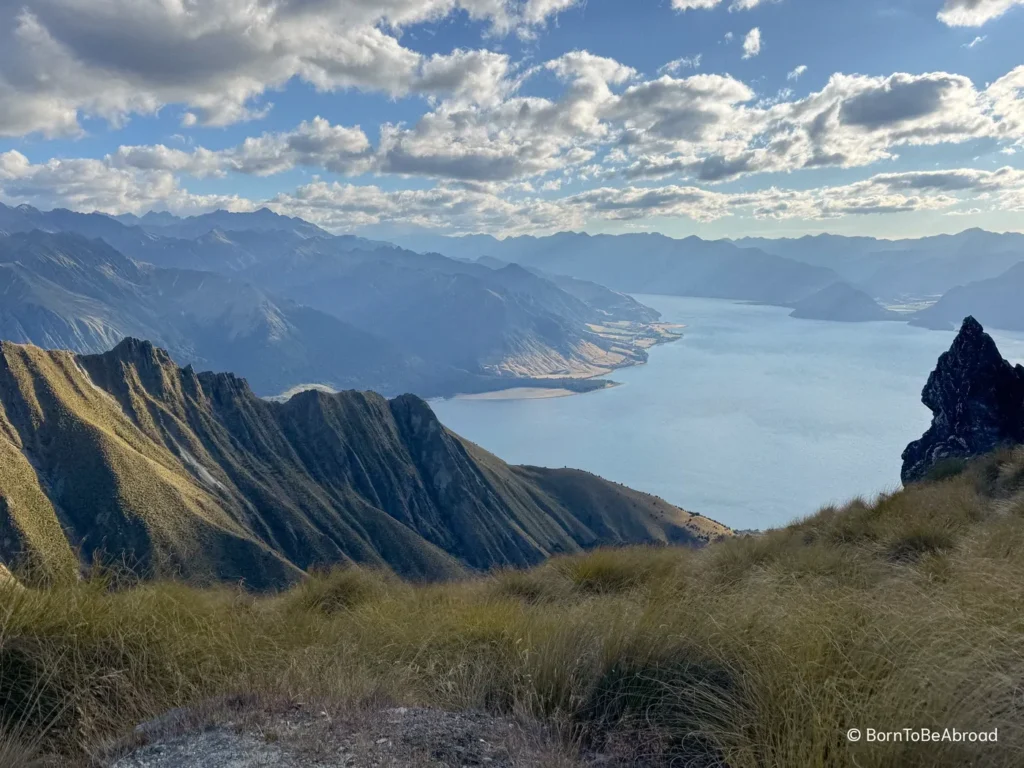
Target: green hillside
(125, 457)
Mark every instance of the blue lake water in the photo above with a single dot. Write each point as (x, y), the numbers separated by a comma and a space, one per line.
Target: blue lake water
(753, 418)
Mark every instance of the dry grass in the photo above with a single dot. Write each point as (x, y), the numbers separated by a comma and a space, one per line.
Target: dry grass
(762, 651)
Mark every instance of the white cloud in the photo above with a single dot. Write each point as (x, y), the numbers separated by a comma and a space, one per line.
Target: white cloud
(752, 43)
(343, 207)
(1005, 97)
(688, 5)
(709, 128)
(315, 143)
(704, 127)
(974, 13)
(797, 73)
(537, 12)
(88, 185)
(677, 65)
(975, 42)
(883, 193)
(736, 5)
(62, 59)
(501, 208)
(520, 137)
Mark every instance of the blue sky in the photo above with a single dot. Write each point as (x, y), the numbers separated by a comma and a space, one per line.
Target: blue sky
(711, 117)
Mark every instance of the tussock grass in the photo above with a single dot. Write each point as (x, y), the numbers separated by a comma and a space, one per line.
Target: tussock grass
(904, 612)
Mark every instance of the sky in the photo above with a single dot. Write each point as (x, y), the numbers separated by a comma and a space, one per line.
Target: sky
(720, 118)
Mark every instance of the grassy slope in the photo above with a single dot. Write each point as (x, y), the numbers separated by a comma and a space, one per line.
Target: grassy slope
(186, 475)
(755, 651)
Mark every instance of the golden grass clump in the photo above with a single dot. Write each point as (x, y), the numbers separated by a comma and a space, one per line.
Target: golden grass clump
(760, 651)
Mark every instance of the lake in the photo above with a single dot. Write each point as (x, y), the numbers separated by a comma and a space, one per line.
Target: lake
(753, 418)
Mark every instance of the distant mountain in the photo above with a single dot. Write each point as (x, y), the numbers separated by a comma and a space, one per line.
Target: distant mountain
(25, 218)
(891, 269)
(613, 303)
(998, 302)
(64, 291)
(649, 263)
(507, 321)
(842, 302)
(263, 220)
(318, 310)
(218, 241)
(124, 457)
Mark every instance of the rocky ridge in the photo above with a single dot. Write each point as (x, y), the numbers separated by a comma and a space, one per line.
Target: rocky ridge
(977, 401)
(124, 456)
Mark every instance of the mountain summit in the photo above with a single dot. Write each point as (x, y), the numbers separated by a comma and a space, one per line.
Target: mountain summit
(977, 399)
(125, 456)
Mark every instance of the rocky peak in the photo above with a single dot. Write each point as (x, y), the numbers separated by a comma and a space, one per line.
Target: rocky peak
(977, 401)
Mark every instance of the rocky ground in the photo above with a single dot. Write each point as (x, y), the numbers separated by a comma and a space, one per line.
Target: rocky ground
(300, 736)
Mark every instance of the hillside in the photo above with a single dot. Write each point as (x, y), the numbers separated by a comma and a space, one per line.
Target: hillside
(308, 308)
(506, 322)
(63, 291)
(995, 302)
(841, 302)
(757, 651)
(127, 457)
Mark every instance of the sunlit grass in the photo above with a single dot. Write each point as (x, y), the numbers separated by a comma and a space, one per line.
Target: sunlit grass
(760, 651)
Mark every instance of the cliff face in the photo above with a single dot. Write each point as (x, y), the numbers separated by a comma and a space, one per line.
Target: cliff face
(977, 399)
(126, 456)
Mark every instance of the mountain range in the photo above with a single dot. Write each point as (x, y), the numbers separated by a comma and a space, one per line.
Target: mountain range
(785, 272)
(650, 263)
(125, 456)
(287, 305)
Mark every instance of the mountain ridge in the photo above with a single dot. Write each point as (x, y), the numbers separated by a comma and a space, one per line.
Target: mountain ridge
(514, 330)
(977, 402)
(124, 455)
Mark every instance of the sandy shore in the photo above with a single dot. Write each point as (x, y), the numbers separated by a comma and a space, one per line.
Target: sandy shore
(519, 393)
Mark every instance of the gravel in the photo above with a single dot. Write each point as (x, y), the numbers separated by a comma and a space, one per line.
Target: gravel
(299, 736)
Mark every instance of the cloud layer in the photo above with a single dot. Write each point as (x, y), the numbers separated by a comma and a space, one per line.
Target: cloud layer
(62, 59)
(487, 151)
(974, 13)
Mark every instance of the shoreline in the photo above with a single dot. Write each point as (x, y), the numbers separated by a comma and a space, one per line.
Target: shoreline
(522, 393)
(667, 333)
(531, 388)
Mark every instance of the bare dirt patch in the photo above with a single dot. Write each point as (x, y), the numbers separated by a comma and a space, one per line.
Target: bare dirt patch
(296, 735)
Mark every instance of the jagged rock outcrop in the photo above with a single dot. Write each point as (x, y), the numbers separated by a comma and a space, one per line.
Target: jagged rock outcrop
(124, 456)
(977, 399)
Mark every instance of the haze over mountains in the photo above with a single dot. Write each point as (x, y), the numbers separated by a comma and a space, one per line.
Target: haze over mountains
(285, 304)
(774, 271)
(650, 263)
